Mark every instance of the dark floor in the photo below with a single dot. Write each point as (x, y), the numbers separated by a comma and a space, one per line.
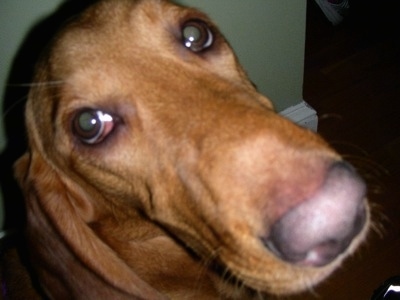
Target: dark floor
(352, 79)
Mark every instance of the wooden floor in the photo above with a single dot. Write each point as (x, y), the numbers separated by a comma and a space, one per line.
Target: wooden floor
(352, 79)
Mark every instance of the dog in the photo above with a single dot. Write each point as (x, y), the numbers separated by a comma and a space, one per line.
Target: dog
(155, 169)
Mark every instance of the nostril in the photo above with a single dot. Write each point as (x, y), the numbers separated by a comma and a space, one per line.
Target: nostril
(324, 253)
(319, 229)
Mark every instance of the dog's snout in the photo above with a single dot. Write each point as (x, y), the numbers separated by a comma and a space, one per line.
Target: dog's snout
(319, 229)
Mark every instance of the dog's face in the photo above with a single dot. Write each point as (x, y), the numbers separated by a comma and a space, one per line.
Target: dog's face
(144, 103)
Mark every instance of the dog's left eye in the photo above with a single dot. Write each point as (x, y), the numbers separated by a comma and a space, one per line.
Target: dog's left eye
(197, 35)
(92, 126)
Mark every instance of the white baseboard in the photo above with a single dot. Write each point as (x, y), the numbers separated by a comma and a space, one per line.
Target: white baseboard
(302, 114)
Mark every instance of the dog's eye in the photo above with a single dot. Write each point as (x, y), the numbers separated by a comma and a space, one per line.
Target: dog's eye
(196, 35)
(92, 126)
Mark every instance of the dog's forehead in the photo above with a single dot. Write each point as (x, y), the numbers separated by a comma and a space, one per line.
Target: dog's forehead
(120, 28)
(120, 43)
(119, 40)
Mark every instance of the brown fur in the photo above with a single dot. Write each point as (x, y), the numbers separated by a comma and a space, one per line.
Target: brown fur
(173, 202)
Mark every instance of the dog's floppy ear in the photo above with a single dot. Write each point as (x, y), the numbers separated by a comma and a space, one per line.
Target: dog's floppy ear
(56, 230)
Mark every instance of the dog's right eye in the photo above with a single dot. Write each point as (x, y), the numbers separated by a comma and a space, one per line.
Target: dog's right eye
(197, 35)
(92, 126)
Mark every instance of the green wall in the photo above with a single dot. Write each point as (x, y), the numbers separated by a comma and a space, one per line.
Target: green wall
(267, 35)
(269, 38)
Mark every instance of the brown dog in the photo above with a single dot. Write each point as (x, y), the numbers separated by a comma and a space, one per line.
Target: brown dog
(156, 170)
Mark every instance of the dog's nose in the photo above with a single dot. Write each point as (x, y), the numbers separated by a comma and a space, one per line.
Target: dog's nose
(316, 231)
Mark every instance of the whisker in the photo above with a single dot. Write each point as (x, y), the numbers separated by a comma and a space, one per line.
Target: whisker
(367, 166)
(37, 84)
(350, 145)
(260, 295)
(23, 99)
(206, 264)
(329, 116)
(14, 105)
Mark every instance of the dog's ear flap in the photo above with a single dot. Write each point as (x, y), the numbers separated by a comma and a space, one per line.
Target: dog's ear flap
(31, 168)
(58, 231)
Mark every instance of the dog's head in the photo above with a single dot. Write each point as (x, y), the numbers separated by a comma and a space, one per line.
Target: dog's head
(142, 107)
